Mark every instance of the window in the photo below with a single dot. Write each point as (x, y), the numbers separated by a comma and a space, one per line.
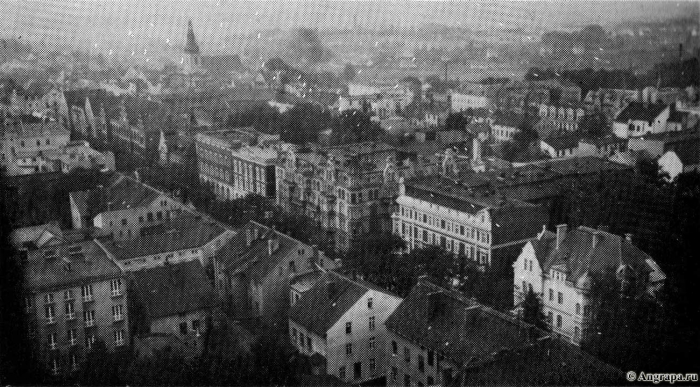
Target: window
(421, 363)
(431, 381)
(89, 317)
(348, 349)
(370, 301)
(550, 318)
(372, 366)
(86, 292)
(117, 312)
(183, 328)
(341, 373)
(394, 348)
(308, 343)
(560, 297)
(394, 373)
(51, 341)
(72, 336)
(116, 287)
(68, 295)
(74, 361)
(118, 338)
(372, 323)
(578, 308)
(407, 380)
(407, 354)
(372, 342)
(348, 327)
(577, 333)
(48, 298)
(195, 325)
(551, 295)
(294, 335)
(141, 219)
(149, 217)
(357, 370)
(301, 340)
(70, 310)
(124, 222)
(89, 340)
(28, 304)
(558, 321)
(54, 365)
(524, 286)
(431, 358)
(50, 313)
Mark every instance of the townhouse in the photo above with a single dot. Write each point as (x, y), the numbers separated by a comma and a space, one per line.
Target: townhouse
(340, 322)
(640, 119)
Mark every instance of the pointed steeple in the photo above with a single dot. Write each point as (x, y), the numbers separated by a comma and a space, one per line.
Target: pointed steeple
(191, 47)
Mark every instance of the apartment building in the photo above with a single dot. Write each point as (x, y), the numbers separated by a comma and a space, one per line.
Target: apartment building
(74, 295)
(486, 227)
(347, 189)
(561, 267)
(254, 269)
(640, 119)
(238, 162)
(122, 208)
(24, 143)
(559, 117)
(340, 321)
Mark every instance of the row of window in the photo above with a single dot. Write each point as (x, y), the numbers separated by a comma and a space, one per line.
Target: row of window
(470, 251)
(465, 231)
(357, 370)
(407, 378)
(407, 356)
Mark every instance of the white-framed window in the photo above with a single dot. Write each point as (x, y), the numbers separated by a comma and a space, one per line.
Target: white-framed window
(48, 298)
(89, 340)
(119, 338)
(51, 341)
(370, 303)
(372, 323)
(28, 304)
(74, 361)
(86, 293)
(115, 287)
(372, 342)
(50, 314)
(89, 317)
(72, 336)
(68, 295)
(70, 310)
(55, 366)
(118, 312)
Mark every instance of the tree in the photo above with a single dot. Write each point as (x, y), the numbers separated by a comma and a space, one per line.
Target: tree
(353, 126)
(532, 310)
(456, 121)
(102, 367)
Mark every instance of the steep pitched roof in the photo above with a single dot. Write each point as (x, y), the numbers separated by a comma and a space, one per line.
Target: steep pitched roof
(121, 193)
(639, 111)
(327, 301)
(462, 330)
(173, 289)
(578, 256)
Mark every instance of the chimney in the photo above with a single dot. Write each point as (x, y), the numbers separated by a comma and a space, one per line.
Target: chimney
(272, 246)
(628, 237)
(561, 233)
(597, 237)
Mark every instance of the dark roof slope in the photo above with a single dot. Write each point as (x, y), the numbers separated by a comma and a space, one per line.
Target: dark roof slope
(326, 302)
(460, 329)
(172, 289)
(121, 193)
(639, 111)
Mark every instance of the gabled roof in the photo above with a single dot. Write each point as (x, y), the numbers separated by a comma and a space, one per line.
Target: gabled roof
(328, 300)
(183, 233)
(543, 244)
(172, 289)
(577, 256)
(564, 141)
(639, 111)
(460, 329)
(121, 193)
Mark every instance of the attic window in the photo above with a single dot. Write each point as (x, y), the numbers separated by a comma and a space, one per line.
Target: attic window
(50, 254)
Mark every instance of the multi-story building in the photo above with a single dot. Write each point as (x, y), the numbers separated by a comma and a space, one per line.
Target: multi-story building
(122, 208)
(342, 321)
(483, 226)
(75, 295)
(610, 101)
(504, 126)
(438, 337)
(23, 145)
(560, 117)
(238, 162)
(460, 102)
(183, 239)
(561, 267)
(173, 299)
(254, 269)
(435, 334)
(348, 189)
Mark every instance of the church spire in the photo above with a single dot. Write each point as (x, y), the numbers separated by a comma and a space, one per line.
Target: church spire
(191, 47)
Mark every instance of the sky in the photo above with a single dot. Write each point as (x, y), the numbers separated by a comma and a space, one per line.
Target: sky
(136, 22)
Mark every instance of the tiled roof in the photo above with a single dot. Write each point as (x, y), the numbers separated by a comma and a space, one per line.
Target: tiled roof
(639, 111)
(577, 255)
(121, 193)
(172, 289)
(67, 264)
(460, 329)
(543, 245)
(564, 141)
(183, 233)
(326, 302)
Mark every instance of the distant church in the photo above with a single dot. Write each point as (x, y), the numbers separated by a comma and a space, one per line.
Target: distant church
(192, 61)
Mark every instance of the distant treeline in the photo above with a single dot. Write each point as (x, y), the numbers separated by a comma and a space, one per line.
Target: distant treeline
(672, 74)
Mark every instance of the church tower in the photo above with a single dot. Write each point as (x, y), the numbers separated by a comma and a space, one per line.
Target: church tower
(192, 59)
